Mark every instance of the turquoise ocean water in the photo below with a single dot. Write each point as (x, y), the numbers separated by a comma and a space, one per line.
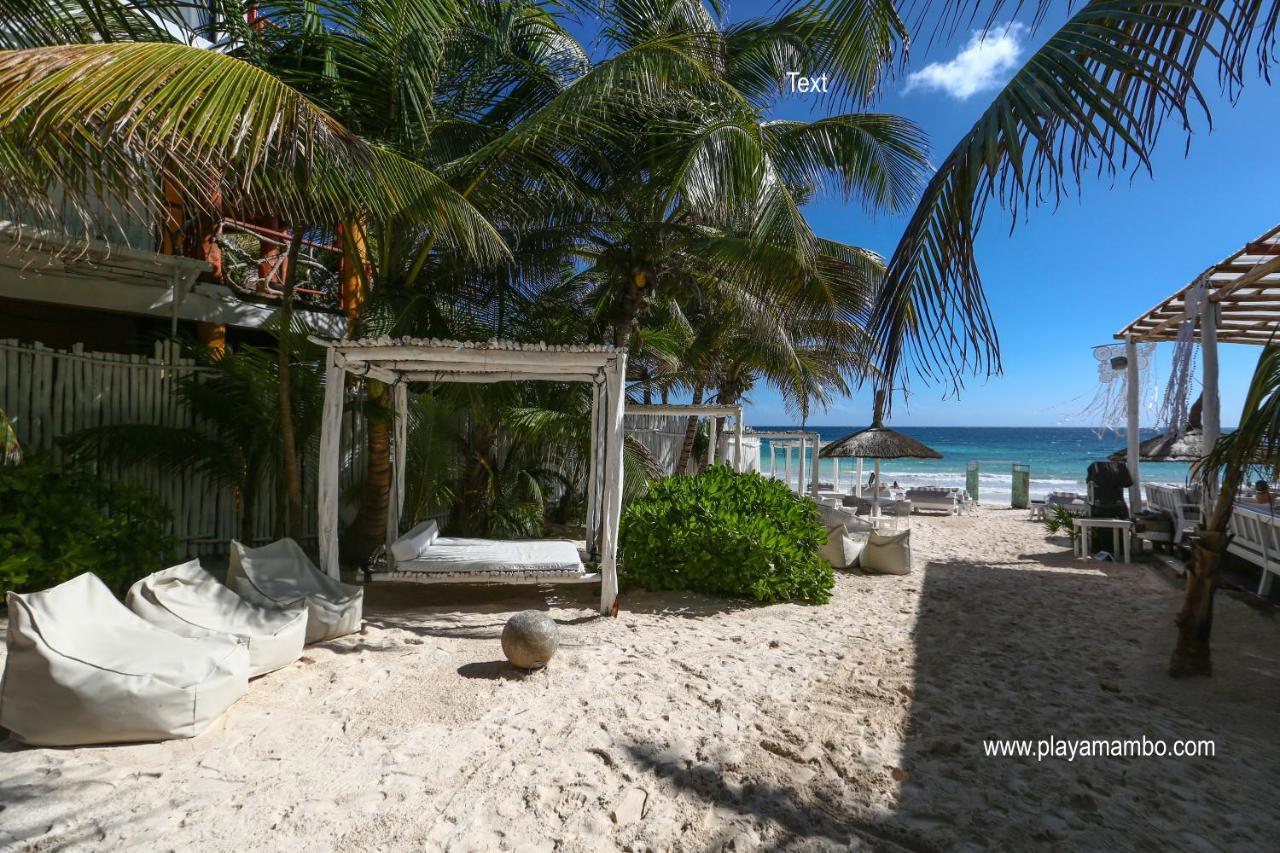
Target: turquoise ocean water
(1058, 456)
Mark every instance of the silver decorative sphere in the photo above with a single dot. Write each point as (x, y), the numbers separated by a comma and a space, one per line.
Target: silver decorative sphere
(530, 639)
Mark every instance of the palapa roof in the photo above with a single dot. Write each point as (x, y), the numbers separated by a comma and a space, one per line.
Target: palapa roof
(1171, 447)
(878, 442)
(1188, 447)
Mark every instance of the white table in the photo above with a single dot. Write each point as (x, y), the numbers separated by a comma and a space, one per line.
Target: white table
(1121, 531)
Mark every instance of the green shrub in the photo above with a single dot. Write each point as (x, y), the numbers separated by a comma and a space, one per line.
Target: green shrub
(728, 533)
(59, 520)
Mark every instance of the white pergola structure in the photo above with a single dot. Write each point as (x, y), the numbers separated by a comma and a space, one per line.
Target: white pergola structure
(786, 440)
(399, 361)
(1238, 302)
(680, 410)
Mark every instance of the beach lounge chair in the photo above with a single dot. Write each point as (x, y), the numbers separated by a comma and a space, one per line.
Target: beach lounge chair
(83, 669)
(190, 602)
(1181, 505)
(934, 498)
(280, 575)
(1072, 502)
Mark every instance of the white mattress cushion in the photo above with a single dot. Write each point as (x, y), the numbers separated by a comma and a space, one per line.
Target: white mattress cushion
(447, 554)
(411, 544)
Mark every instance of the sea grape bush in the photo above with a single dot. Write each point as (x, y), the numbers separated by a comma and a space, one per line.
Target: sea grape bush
(58, 520)
(728, 533)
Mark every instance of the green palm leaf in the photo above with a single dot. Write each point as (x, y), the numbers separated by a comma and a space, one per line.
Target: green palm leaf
(1095, 95)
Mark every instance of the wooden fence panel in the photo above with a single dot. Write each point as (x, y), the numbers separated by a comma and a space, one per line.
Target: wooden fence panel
(50, 393)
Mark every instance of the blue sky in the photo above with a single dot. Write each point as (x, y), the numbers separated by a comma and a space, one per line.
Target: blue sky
(1066, 278)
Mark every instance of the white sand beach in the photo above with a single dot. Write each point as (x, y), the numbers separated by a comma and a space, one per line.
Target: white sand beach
(692, 723)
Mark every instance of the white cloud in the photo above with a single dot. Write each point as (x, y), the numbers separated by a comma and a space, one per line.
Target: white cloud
(983, 64)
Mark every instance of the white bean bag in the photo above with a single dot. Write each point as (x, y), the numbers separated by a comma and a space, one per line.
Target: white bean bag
(190, 602)
(887, 554)
(842, 550)
(281, 575)
(83, 669)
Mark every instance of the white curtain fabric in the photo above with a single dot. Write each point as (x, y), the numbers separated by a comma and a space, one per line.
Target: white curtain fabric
(281, 575)
(190, 602)
(83, 669)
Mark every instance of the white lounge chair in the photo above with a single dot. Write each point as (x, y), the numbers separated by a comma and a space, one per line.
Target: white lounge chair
(83, 669)
(190, 602)
(935, 498)
(280, 575)
(1180, 504)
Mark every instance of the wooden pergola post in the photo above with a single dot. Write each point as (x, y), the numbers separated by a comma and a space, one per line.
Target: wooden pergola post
(327, 476)
(813, 478)
(1132, 425)
(1212, 404)
(399, 441)
(737, 442)
(857, 483)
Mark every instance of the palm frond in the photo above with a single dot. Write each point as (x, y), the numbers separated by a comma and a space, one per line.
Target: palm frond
(1096, 95)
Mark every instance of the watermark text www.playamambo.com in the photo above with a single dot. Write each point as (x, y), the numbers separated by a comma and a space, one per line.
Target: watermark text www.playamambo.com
(1071, 749)
(804, 84)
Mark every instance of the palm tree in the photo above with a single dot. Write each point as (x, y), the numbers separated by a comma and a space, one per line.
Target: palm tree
(1222, 472)
(700, 180)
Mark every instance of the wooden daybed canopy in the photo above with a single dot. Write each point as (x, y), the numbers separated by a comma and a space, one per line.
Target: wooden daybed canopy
(399, 361)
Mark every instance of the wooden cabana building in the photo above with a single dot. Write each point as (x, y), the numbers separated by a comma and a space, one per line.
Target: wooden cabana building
(788, 440)
(400, 361)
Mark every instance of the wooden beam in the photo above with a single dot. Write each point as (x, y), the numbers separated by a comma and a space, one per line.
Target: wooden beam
(1256, 274)
(482, 378)
(462, 355)
(679, 410)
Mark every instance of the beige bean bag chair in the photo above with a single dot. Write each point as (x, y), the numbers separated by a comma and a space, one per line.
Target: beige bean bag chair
(83, 669)
(281, 575)
(190, 602)
(842, 550)
(887, 554)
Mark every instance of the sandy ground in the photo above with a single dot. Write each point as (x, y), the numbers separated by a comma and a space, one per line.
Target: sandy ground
(692, 723)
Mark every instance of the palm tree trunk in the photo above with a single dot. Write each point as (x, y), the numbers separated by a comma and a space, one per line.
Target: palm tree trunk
(1195, 621)
(288, 440)
(630, 301)
(369, 529)
(690, 432)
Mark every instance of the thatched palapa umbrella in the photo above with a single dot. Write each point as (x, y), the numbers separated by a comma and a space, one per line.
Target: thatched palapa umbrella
(1171, 447)
(878, 442)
